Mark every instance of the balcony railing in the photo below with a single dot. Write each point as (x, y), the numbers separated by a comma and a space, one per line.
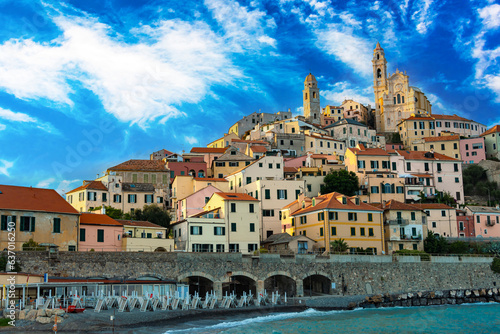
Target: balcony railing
(397, 222)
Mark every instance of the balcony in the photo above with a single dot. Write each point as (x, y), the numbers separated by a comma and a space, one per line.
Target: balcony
(400, 222)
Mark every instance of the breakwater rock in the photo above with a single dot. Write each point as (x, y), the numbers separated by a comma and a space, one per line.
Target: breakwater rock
(426, 298)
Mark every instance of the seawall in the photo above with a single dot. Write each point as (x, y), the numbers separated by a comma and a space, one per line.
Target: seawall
(333, 274)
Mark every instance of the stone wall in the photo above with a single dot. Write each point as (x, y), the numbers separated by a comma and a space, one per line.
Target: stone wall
(352, 275)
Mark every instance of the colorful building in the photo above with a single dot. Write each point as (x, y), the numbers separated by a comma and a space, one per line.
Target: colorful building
(99, 232)
(441, 218)
(472, 150)
(486, 220)
(38, 214)
(492, 142)
(144, 236)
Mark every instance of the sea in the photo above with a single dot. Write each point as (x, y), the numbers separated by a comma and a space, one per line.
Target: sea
(465, 318)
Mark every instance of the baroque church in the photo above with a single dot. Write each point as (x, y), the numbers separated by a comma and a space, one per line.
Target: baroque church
(395, 99)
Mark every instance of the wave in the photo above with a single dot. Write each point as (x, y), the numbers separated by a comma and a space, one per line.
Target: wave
(268, 318)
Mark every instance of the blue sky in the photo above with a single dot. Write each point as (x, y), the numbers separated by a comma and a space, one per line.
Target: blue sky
(85, 85)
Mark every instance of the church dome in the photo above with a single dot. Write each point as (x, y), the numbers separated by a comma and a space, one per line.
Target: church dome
(310, 78)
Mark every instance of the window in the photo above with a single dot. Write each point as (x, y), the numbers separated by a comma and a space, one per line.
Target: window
(233, 227)
(267, 193)
(218, 230)
(219, 248)
(333, 215)
(385, 164)
(321, 232)
(117, 198)
(159, 199)
(251, 208)
(153, 178)
(408, 166)
(455, 146)
(100, 235)
(252, 227)
(457, 180)
(282, 194)
(149, 236)
(362, 231)
(394, 166)
(353, 231)
(27, 224)
(57, 225)
(426, 166)
(233, 207)
(303, 220)
(82, 234)
(434, 225)
(352, 216)
(91, 196)
(220, 164)
(399, 189)
(268, 213)
(438, 165)
(455, 167)
(104, 197)
(334, 230)
(146, 178)
(196, 230)
(370, 232)
(370, 217)
(374, 189)
(256, 194)
(132, 198)
(321, 216)
(443, 213)
(373, 164)
(440, 179)
(270, 166)
(134, 178)
(234, 164)
(148, 198)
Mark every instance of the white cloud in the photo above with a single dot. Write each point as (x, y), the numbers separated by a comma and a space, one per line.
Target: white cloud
(267, 40)
(343, 90)
(6, 166)
(190, 140)
(436, 102)
(135, 82)
(45, 183)
(493, 83)
(343, 44)
(18, 117)
(2, 127)
(66, 185)
(424, 16)
(242, 25)
(490, 16)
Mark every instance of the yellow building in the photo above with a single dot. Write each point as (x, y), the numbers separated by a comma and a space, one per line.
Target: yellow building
(447, 145)
(38, 214)
(229, 162)
(378, 177)
(335, 216)
(144, 236)
(395, 99)
(415, 128)
(224, 141)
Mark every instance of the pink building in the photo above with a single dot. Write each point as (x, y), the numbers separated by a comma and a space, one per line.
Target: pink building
(195, 202)
(194, 168)
(100, 233)
(394, 147)
(209, 154)
(486, 221)
(472, 150)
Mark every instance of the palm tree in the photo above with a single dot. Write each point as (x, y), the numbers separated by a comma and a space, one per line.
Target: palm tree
(339, 246)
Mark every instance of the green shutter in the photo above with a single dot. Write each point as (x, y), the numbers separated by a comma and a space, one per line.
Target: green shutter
(82, 234)
(3, 226)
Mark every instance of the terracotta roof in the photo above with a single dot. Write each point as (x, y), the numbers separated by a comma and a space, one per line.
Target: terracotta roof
(322, 156)
(236, 197)
(494, 129)
(329, 201)
(208, 149)
(98, 219)
(203, 213)
(138, 223)
(324, 137)
(145, 165)
(259, 149)
(449, 117)
(242, 168)
(33, 199)
(415, 118)
(441, 138)
(427, 176)
(209, 179)
(369, 151)
(425, 206)
(239, 156)
(94, 185)
(396, 205)
(420, 155)
(138, 187)
(290, 169)
(210, 186)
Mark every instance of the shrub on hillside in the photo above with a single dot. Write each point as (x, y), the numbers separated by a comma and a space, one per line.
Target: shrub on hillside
(423, 255)
(495, 265)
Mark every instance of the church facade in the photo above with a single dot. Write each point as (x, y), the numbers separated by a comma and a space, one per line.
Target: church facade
(395, 99)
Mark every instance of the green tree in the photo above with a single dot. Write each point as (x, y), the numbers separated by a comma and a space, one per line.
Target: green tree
(341, 181)
(458, 247)
(495, 265)
(435, 244)
(3, 265)
(114, 213)
(339, 246)
(155, 215)
(396, 138)
(32, 245)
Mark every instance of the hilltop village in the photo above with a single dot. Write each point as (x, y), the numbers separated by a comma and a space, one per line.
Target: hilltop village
(261, 186)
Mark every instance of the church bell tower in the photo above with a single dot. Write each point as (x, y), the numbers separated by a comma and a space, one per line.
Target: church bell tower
(312, 109)
(379, 84)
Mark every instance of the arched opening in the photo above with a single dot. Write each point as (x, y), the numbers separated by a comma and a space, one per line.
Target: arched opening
(201, 173)
(160, 249)
(378, 56)
(239, 284)
(399, 99)
(192, 172)
(314, 95)
(306, 96)
(317, 285)
(198, 284)
(281, 284)
(379, 73)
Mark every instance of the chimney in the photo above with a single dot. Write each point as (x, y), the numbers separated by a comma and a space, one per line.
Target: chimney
(383, 204)
(103, 210)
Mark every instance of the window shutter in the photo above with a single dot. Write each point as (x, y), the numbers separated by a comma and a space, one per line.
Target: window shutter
(145, 198)
(223, 231)
(215, 230)
(32, 224)
(200, 229)
(4, 223)
(191, 229)
(278, 194)
(285, 194)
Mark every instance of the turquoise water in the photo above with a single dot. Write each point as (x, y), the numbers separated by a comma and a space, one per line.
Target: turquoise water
(471, 318)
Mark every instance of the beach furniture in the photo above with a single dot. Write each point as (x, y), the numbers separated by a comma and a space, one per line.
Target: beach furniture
(123, 305)
(213, 303)
(175, 303)
(101, 305)
(166, 303)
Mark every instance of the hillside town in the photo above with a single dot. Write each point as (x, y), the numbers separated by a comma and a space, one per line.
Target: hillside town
(263, 185)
